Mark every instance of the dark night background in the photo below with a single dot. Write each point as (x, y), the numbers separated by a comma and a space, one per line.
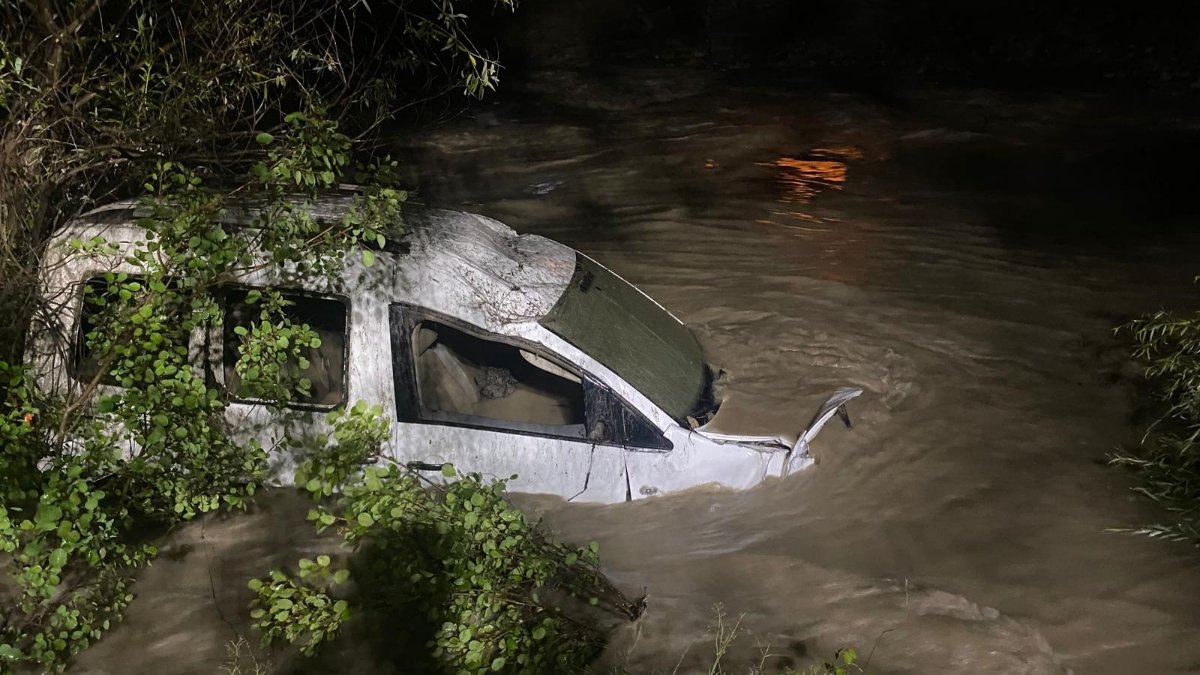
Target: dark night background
(571, 58)
(875, 45)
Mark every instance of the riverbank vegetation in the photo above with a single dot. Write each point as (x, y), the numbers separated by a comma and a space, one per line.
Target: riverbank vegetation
(1168, 459)
(193, 110)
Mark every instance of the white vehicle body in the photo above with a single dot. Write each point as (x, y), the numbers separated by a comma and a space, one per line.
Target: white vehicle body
(468, 280)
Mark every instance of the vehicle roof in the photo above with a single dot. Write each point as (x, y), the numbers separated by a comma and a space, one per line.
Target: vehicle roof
(460, 264)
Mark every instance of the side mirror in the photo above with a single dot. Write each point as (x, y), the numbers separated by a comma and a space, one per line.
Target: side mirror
(834, 405)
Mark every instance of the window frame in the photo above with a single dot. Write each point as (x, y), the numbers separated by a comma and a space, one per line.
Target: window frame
(404, 318)
(217, 331)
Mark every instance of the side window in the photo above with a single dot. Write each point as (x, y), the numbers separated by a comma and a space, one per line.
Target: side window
(464, 379)
(444, 374)
(324, 367)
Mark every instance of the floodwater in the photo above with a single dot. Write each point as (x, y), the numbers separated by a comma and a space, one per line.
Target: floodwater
(963, 256)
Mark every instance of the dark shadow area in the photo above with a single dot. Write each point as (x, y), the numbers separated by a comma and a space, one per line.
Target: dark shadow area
(390, 629)
(1085, 194)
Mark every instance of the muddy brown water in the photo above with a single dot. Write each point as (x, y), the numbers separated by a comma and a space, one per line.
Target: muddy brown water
(961, 255)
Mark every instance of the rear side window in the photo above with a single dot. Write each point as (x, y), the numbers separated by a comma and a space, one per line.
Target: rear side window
(104, 316)
(323, 367)
(100, 302)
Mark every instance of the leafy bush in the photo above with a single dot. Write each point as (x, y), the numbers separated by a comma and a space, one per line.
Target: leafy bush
(168, 100)
(453, 570)
(81, 477)
(53, 522)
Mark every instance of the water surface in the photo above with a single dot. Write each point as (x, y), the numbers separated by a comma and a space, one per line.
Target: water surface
(961, 255)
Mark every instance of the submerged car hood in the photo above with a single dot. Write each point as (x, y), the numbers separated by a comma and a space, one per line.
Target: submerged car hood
(739, 422)
(749, 425)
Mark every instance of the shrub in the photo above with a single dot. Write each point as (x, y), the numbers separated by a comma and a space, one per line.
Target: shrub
(453, 570)
(194, 107)
(1168, 461)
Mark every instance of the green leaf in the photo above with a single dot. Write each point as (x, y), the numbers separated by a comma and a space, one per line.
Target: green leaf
(448, 470)
(365, 519)
(264, 138)
(47, 515)
(368, 258)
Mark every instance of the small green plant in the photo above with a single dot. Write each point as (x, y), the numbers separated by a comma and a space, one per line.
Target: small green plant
(723, 638)
(274, 350)
(845, 661)
(456, 562)
(62, 556)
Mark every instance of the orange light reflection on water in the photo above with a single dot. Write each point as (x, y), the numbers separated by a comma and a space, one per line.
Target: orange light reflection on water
(804, 179)
(837, 253)
(801, 179)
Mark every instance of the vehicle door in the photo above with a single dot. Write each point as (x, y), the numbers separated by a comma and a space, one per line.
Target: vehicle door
(498, 406)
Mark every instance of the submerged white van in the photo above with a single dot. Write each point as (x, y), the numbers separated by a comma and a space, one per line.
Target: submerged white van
(496, 352)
